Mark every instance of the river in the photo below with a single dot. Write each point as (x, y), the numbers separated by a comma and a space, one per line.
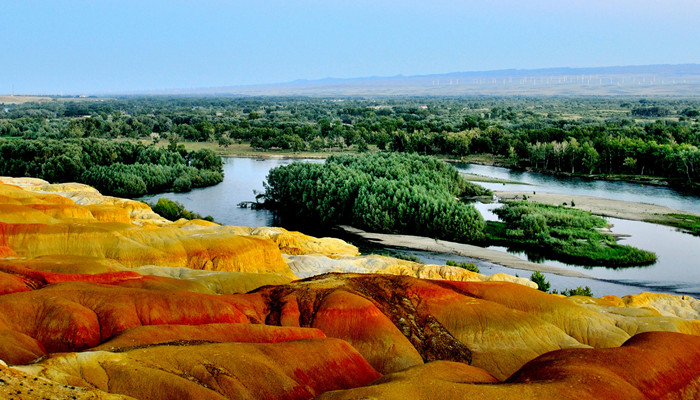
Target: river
(676, 271)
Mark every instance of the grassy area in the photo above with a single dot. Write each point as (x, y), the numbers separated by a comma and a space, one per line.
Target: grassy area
(685, 222)
(244, 150)
(562, 233)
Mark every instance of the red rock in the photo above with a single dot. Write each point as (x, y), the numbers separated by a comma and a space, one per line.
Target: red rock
(73, 316)
(300, 369)
(220, 333)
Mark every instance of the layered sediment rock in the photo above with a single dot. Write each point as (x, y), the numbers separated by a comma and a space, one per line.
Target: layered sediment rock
(299, 369)
(305, 266)
(657, 365)
(101, 299)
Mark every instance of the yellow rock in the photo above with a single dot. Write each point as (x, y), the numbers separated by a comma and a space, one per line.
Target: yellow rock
(648, 312)
(19, 384)
(296, 243)
(80, 194)
(685, 307)
(217, 282)
(38, 223)
(305, 266)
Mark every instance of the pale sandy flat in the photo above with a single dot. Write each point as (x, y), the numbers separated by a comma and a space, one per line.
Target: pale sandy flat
(460, 249)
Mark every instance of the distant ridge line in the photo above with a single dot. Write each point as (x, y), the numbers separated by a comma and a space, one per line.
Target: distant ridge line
(680, 80)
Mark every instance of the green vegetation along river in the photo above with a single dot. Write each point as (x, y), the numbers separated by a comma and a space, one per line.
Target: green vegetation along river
(676, 270)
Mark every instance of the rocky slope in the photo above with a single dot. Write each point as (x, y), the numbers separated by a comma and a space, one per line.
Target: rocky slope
(100, 298)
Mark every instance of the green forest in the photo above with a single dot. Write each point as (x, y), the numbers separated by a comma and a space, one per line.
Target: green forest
(116, 168)
(617, 137)
(381, 192)
(133, 146)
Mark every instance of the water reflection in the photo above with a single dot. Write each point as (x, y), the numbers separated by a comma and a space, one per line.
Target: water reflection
(677, 269)
(242, 176)
(616, 190)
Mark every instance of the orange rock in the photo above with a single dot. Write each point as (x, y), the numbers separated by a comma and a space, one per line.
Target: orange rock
(383, 345)
(658, 365)
(300, 369)
(7, 252)
(13, 273)
(11, 283)
(18, 348)
(242, 333)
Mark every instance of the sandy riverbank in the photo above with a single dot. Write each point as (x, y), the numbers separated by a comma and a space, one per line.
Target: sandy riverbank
(460, 249)
(599, 206)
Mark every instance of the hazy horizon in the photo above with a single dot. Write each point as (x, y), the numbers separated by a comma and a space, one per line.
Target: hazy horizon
(79, 47)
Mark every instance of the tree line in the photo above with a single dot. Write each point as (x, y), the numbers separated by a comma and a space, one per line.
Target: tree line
(620, 136)
(117, 168)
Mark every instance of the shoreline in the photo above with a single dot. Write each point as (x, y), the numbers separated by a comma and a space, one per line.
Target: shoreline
(465, 250)
(244, 150)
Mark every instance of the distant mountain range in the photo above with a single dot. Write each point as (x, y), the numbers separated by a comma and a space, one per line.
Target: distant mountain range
(646, 80)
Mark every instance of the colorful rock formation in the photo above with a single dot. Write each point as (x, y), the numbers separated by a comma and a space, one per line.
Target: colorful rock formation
(100, 298)
(656, 365)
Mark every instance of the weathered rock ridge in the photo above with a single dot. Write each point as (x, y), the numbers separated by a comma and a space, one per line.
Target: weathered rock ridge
(102, 299)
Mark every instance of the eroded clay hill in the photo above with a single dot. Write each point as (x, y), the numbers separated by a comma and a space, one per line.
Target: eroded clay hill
(101, 299)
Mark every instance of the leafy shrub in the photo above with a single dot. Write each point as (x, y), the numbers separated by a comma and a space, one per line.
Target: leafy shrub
(468, 266)
(541, 281)
(173, 210)
(579, 291)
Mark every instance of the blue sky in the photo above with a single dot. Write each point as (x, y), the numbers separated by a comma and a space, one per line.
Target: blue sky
(94, 46)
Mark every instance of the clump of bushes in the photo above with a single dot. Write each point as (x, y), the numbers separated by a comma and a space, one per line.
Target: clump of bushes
(542, 283)
(394, 193)
(579, 291)
(544, 286)
(464, 265)
(173, 210)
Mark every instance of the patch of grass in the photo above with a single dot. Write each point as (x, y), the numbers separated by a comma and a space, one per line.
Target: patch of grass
(563, 234)
(407, 257)
(685, 222)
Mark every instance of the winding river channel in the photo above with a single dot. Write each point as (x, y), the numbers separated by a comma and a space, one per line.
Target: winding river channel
(676, 271)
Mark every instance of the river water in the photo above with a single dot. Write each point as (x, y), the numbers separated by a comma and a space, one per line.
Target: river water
(617, 190)
(676, 271)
